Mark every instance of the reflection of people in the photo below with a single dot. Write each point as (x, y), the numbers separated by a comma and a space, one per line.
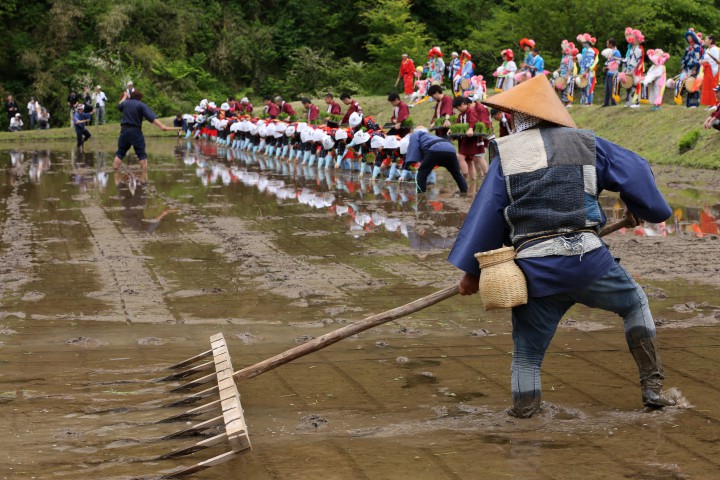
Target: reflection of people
(546, 205)
(132, 192)
(131, 135)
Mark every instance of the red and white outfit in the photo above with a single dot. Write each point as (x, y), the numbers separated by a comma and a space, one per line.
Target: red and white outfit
(354, 107)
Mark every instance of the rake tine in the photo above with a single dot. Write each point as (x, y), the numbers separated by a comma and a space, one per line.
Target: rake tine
(208, 407)
(196, 397)
(186, 373)
(207, 443)
(199, 467)
(195, 383)
(197, 428)
(191, 360)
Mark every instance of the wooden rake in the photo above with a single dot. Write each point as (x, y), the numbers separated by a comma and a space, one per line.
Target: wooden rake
(232, 417)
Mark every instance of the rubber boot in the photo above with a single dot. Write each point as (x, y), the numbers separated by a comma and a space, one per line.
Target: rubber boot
(311, 162)
(188, 133)
(644, 351)
(285, 151)
(393, 172)
(375, 172)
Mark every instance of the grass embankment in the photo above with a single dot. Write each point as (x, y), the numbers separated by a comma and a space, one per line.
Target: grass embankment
(654, 135)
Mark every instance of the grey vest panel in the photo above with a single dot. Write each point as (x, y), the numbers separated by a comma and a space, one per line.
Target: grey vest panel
(551, 181)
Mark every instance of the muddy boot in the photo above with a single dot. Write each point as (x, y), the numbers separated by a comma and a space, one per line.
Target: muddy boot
(525, 406)
(644, 351)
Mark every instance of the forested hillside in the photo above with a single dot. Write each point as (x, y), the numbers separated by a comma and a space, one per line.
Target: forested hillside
(178, 51)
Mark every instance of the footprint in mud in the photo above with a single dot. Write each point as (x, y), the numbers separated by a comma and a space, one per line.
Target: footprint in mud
(689, 307)
(247, 338)
(311, 423)
(7, 331)
(480, 332)
(409, 332)
(150, 341)
(85, 342)
(67, 434)
(420, 378)
(304, 339)
(556, 412)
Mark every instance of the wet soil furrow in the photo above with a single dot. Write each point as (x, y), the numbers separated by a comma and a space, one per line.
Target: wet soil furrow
(127, 280)
(16, 261)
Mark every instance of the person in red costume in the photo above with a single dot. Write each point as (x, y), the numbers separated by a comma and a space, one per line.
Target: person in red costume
(284, 107)
(401, 112)
(271, 110)
(353, 106)
(332, 109)
(443, 109)
(407, 74)
(312, 111)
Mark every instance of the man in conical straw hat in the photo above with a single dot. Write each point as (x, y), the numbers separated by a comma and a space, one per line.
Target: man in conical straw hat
(541, 196)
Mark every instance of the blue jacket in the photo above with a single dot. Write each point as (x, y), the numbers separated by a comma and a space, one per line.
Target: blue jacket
(486, 228)
(422, 142)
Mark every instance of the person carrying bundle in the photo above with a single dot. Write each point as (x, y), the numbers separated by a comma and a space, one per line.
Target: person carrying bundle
(546, 206)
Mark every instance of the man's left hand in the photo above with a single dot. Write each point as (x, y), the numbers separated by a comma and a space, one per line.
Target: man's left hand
(469, 284)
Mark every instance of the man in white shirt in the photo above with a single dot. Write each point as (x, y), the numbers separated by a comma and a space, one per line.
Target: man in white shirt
(16, 123)
(33, 108)
(99, 99)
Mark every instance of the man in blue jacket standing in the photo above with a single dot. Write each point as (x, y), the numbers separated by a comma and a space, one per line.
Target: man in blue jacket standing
(131, 135)
(541, 196)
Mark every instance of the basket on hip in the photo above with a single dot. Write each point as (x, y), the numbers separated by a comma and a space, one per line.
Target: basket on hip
(502, 283)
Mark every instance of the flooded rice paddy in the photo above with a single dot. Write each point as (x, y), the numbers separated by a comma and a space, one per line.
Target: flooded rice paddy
(107, 279)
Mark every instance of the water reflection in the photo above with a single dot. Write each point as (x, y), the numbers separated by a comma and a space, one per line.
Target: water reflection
(132, 191)
(686, 220)
(363, 205)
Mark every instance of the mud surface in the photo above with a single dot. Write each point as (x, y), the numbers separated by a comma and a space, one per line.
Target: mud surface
(107, 280)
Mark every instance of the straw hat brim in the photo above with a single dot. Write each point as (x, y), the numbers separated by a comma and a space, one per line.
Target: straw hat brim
(536, 98)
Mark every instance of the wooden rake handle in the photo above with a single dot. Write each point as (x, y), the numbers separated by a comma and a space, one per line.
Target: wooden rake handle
(373, 321)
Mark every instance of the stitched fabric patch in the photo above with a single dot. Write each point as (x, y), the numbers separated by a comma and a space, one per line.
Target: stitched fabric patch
(522, 152)
(569, 146)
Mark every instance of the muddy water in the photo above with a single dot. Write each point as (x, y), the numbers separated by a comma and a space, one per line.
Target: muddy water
(105, 280)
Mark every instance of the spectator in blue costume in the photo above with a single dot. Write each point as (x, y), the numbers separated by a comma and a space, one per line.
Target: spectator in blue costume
(541, 196)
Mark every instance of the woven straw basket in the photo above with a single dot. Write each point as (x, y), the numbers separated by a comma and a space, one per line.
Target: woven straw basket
(502, 283)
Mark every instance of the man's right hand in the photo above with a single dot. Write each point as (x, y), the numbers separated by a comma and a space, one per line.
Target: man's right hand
(469, 284)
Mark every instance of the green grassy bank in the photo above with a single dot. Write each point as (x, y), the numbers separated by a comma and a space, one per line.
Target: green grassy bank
(654, 135)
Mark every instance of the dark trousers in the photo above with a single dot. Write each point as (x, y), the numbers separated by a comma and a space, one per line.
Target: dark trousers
(440, 159)
(82, 136)
(609, 101)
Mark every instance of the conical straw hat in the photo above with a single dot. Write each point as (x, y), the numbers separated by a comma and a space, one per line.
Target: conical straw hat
(534, 97)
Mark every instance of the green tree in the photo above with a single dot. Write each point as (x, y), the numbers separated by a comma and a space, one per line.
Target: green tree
(392, 31)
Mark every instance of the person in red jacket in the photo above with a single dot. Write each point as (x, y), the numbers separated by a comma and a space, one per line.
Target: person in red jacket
(332, 109)
(401, 112)
(353, 106)
(271, 110)
(713, 121)
(407, 73)
(469, 145)
(483, 114)
(312, 111)
(245, 106)
(505, 121)
(443, 109)
(284, 107)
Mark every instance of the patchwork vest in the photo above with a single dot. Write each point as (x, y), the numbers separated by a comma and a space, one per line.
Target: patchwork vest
(551, 182)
